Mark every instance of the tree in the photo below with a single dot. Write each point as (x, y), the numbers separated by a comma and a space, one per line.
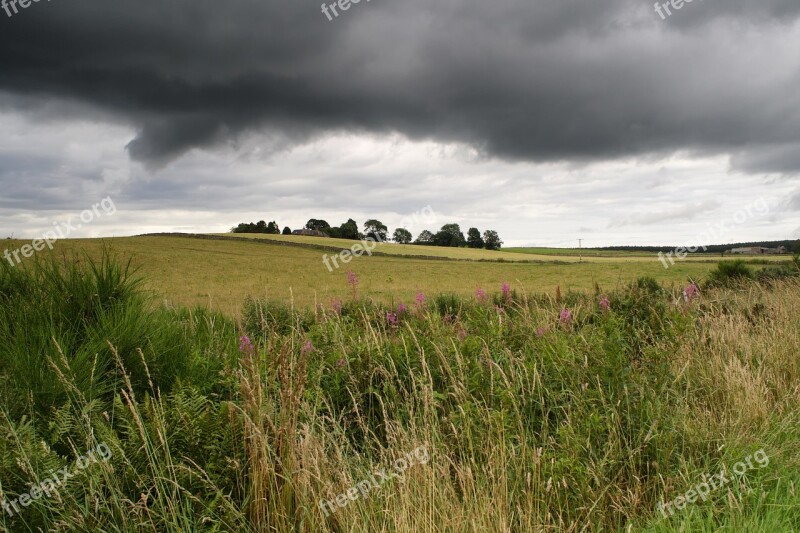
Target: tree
(287, 231)
(492, 240)
(349, 230)
(450, 235)
(474, 239)
(273, 228)
(336, 233)
(402, 236)
(375, 230)
(426, 238)
(318, 225)
(261, 227)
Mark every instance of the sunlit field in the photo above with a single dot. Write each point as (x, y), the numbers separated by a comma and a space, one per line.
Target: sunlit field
(220, 274)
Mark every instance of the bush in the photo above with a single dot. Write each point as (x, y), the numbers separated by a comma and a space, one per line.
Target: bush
(730, 273)
(775, 273)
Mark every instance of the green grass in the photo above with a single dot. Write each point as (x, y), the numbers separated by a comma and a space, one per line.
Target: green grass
(532, 422)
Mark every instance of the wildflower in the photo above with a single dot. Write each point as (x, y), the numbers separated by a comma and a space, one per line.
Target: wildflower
(391, 318)
(506, 293)
(448, 318)
(566, 317)
(541, 332)
(245, 345)
(605, 304)
(420, 300)
(461, 332)
(341, 363)
(402, 310)
(336, 305)
(691, 292)
(308, 348)
(352, 279)
(481, 295)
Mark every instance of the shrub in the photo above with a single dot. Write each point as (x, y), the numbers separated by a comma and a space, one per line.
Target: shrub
(730, 273)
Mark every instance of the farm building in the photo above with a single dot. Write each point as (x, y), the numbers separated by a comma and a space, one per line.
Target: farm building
(758, 250)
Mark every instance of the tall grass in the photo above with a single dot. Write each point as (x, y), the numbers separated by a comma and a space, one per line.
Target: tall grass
(533, 421)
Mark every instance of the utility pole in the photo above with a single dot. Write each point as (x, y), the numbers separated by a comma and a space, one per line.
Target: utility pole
(580, 250)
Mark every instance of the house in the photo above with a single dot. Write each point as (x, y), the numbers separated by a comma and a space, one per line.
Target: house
(758, 250)
(309, 233)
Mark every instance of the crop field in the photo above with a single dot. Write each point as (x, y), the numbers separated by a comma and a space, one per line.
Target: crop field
(220, 274)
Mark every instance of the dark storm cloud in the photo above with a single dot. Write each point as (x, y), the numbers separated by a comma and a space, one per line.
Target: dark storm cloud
(543, 80)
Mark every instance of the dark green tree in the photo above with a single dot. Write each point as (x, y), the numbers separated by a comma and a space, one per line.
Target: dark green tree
(318, 225)
(474, 239)
(402, 236)
(450, 235)
(287, 231)
(426, 238)
(349, 230)
(273, 228)
(375, 230)
(492, 240)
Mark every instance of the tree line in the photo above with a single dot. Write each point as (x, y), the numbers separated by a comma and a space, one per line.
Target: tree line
(450, 235)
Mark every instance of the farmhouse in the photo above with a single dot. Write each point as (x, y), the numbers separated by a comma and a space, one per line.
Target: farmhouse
(758, 250)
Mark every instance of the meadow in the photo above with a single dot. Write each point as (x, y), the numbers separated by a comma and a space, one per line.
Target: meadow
(499, 409)
(220, 274)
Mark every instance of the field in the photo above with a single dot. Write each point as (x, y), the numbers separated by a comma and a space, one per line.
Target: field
(507, 411)
(220, 274)
(635, 409)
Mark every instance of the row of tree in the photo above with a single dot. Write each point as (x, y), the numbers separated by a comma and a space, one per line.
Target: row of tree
(260, 227)
(450, 235)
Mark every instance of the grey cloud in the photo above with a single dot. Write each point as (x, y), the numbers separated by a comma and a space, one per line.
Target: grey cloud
(521, 80)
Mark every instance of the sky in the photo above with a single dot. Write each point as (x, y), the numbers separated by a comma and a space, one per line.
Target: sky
(548, 121)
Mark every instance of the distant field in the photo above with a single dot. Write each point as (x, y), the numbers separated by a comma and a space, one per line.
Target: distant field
(185, 271)
(574, 252)
(507, 254)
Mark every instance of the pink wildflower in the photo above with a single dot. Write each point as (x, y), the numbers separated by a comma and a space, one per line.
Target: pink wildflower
(336, 305)
(481, 295)
(352, 279)
(402, 310)
(605, 304)
(245, 345)
(566, 317)
(308, 348)
(691, 292)
(420, 300)
(506, 292)
(391, 318)
(541, 332)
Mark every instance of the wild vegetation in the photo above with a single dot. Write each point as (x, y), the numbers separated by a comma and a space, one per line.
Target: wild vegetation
(566, 411)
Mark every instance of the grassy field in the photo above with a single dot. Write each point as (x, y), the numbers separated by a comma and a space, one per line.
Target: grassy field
(185, 271)
(510, 412)
(566, 255)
